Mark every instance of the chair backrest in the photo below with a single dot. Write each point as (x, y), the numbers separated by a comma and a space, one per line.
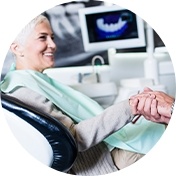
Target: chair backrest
(58, 136)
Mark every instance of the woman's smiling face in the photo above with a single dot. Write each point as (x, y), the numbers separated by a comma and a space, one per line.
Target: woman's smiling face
(39, 48)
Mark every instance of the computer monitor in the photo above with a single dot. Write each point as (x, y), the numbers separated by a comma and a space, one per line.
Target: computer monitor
(105, 27)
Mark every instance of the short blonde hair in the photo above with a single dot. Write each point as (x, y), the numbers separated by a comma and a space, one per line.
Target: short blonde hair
(26, 31)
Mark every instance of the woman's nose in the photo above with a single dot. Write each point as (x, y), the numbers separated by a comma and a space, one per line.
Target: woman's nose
(51, 44)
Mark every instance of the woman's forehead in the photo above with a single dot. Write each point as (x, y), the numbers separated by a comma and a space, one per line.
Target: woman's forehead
(43, 27)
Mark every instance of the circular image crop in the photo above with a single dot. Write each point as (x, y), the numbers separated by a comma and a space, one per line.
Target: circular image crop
(88, 87)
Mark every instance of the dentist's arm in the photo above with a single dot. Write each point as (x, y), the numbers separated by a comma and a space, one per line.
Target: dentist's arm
(156, 106)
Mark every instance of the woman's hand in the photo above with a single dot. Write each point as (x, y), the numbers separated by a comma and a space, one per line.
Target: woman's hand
(153, 105)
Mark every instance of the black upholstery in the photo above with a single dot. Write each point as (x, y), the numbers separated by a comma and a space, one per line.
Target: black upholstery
(61, 141)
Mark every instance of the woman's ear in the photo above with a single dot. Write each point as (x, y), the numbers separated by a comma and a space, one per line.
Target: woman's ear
(16, 49)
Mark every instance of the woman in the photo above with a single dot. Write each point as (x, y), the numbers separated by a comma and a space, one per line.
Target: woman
(34, 52)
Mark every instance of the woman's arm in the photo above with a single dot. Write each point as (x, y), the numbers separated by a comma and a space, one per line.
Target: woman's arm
(88, 132)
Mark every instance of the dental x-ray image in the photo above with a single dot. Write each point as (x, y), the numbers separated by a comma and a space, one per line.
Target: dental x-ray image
(108, 26)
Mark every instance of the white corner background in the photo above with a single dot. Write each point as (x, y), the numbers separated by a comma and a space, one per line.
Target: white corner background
(15, 14)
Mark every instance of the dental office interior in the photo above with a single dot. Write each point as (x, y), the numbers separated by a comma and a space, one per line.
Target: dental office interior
(106, 52)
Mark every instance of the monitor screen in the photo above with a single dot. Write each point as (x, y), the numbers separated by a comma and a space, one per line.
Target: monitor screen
(107, 27)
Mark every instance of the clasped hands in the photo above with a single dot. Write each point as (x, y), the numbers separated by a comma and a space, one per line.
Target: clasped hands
(153, 105)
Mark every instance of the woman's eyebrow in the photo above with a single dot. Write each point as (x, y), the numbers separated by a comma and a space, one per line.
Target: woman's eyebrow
(45, 33)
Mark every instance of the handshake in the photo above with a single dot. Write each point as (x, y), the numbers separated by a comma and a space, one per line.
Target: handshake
(155, 106)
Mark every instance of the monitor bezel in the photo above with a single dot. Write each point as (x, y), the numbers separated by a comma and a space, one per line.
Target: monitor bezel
(118, 44)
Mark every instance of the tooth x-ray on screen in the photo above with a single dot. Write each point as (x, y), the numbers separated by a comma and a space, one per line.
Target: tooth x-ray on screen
(105, 27)
(111, 26)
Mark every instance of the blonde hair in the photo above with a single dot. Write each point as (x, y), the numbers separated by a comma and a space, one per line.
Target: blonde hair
(26, 31)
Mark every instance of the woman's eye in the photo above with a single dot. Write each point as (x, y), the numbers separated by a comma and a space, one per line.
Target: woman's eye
(42, 37)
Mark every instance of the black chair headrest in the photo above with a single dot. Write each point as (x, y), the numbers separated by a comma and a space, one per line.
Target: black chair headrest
(62, 142)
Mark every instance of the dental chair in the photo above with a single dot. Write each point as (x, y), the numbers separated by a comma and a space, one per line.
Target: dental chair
(43, 136)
